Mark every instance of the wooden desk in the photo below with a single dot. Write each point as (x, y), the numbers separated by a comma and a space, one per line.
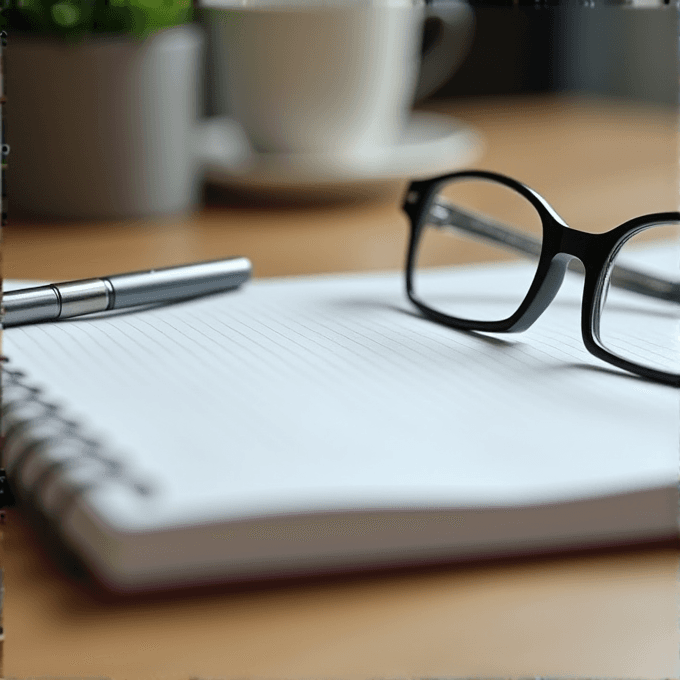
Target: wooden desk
(600, 614)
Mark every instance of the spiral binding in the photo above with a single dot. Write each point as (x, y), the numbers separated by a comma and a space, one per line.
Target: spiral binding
(6, 496)
(46, 456)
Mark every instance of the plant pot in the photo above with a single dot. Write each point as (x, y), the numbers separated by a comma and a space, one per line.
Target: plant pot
(105, 128)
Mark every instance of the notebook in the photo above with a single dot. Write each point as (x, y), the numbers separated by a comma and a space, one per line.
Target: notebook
(319, 424)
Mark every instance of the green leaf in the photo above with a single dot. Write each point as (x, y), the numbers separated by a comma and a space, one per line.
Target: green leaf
(73, 19)
(65, 14)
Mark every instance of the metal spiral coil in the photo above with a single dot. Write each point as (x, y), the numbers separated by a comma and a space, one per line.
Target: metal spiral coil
(47, 457)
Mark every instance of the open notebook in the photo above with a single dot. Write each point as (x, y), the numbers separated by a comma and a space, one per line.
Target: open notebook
(317, 424)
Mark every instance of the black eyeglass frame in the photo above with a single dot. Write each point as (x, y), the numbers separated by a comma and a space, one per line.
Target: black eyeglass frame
(560, 245)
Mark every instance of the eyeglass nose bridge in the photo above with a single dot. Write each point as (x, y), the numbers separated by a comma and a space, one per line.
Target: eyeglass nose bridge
(565, 246)
(582, 245)
(546, 293)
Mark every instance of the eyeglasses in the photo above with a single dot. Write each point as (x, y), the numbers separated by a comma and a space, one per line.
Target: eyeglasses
(630, 314)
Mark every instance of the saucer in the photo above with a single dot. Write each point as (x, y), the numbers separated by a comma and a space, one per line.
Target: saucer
(432, 144)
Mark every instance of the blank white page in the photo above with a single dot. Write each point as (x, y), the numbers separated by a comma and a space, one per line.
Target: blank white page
(331, 392)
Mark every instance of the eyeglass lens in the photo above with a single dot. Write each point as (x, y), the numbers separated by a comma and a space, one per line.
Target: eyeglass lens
(641, 328)
(467, 224)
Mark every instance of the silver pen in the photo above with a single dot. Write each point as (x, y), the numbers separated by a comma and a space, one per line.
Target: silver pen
(169, 284)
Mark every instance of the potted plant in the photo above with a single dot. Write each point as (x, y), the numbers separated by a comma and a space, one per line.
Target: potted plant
(102, 104)
(75, 19)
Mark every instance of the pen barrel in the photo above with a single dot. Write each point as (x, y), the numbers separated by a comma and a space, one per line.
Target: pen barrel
(83, 297)
(30, 305)
(178, 283)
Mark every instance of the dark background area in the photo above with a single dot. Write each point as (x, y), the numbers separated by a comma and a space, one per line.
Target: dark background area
(606, 50)
(513, 51)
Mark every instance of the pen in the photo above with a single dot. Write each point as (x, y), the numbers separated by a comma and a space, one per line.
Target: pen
(169, 284)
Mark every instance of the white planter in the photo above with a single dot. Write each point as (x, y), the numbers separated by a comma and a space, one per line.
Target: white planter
(106, 128)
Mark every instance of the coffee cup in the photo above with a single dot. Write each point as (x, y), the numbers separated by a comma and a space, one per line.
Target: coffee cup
(328, 76)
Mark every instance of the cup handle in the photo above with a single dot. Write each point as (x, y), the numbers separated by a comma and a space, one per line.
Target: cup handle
(453, 21)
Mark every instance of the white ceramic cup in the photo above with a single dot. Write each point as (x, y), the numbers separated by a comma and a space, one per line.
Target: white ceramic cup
(336, 76)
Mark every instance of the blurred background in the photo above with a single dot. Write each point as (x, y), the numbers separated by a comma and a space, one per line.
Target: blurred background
(540, 83)
(619, 49)
(628, 52)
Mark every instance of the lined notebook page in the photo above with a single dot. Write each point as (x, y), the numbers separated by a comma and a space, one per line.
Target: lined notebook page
(330, 392)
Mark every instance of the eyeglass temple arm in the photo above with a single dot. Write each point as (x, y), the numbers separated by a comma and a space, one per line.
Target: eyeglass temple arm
(443, 215)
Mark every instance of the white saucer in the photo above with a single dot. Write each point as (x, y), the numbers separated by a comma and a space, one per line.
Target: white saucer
(432, 144)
